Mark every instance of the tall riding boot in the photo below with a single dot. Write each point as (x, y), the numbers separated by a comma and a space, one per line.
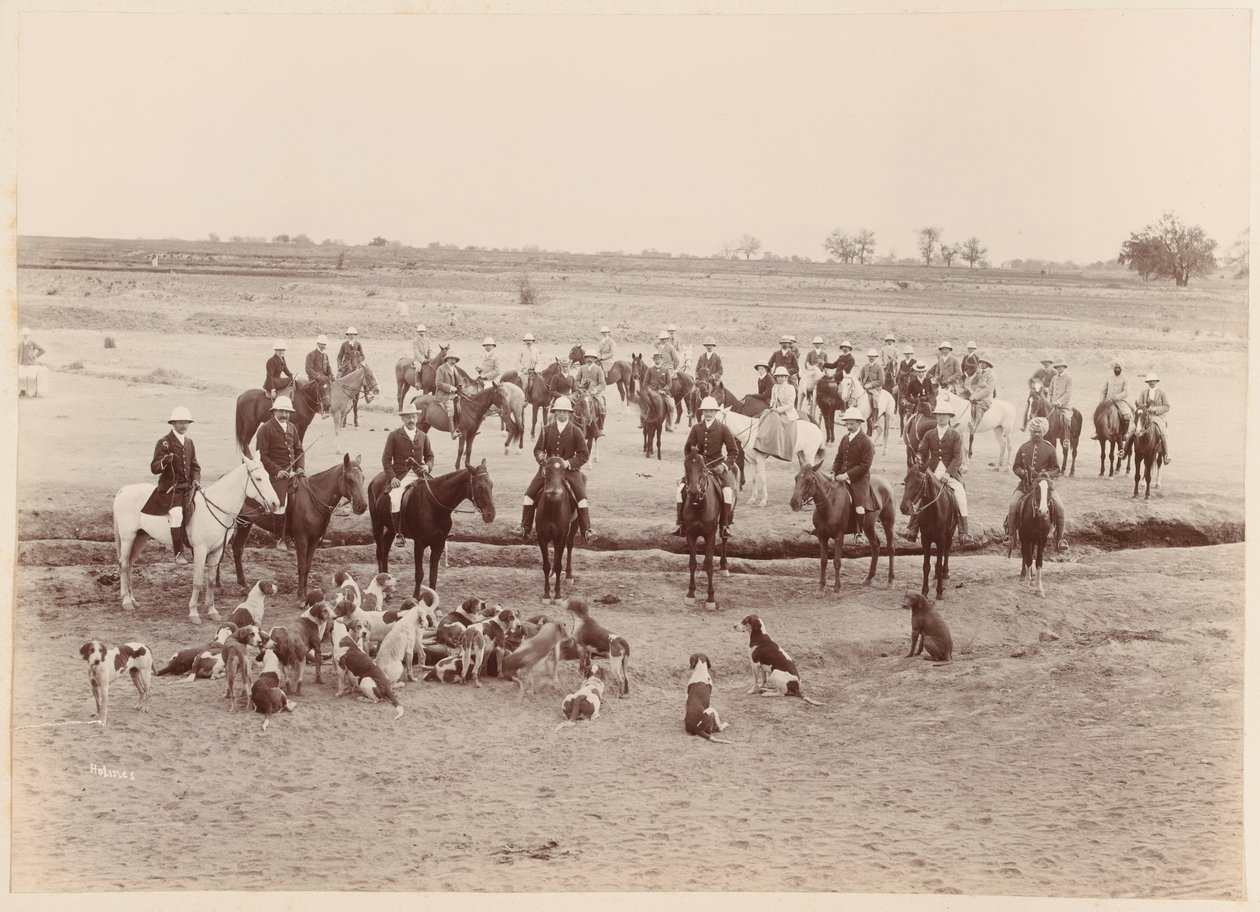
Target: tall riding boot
(912, 529)
(177, 544)
(584, 522)
(679, 529)
(454, 422)
(399, 541)
(728, 519)
(527, 520)
(962, 527)
(281, 544)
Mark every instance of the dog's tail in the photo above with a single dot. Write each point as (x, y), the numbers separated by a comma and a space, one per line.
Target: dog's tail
(565, 724)
(709, 737)
(429, 597)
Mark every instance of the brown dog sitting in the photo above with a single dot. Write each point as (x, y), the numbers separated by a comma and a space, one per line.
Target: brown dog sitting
(928, 630)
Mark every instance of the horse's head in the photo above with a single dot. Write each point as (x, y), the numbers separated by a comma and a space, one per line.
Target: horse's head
(553, 474)
(808, 482)
(915, 484)
(1141, 418)
(695, 474)
(323, 395)
(481, 492)
(1043, 494)
(259, 484)
(439, 356)
(353, 487)
(576, 354)
(370, 388)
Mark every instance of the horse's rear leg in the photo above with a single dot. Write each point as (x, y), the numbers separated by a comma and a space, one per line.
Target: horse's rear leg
(835, 556)
(691, 566)
(239, 538)
(888, 536)
(437, 554)
(128, 552)
(546, 562)
(823, 551)
(942, 570)
(927, 564)
(568, 557)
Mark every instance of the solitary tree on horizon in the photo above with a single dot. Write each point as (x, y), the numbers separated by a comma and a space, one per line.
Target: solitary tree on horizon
(1170, 250)
(928, 239)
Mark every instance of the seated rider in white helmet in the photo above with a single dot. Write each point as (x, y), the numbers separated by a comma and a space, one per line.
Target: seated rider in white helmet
(279, 377)
(175, 463)
(562, 439)
(713, 440)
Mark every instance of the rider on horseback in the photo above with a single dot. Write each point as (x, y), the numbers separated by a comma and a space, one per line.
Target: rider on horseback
(407, 451)
(1034, 457)
(765, 383)
(710, 362)
(446, 390)
(606, 348)
(317, 365)
(488, 370)
(590, 377)
(970, 361)
(888, 354)
(713, 440)
(421, 347)
(816, 357)
(872, 379)
(920, 391)
(562, 439)
(670, 360)
(844, 363)
(1038, 385)
(978, 387)
(1116, 391)
(855, 455)
(278, 373)
(1155, 401)
(175, 464)
(941, 451)
(1061, 392)
(529, 360)
(657, 379)
(946, 373)
(280, 449)
(350, 358)
(786, 359)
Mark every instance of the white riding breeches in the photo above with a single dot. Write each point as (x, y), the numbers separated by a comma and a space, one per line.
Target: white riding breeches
(395, 494)
(175, 517)
(960, 493)
(526, 501)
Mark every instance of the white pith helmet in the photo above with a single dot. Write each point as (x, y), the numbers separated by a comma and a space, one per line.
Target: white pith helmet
(322, 340)
(709, 404)
(664, 334)
(528, 337)
(282, 403)
(563, 404)
(781, 371)
(852, 414)
(280, 346)
(179, 413)
(351, 331)
(421, 328)
(489, 340)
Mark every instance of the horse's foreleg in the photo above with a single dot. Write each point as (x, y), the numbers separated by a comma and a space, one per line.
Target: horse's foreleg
(887, 522)
(437, 551)
(568, 556)
(128, 550)
(927, 562)
(239, 538)
(198, 583)
(708, 566)
(691, 566)
(837, 547)
(822, 564)
(873, 538)
(546, 562)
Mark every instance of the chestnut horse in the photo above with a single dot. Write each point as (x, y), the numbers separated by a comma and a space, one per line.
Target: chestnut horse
(835, 517)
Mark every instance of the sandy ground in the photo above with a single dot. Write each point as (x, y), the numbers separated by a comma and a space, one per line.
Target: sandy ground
(1087, 744)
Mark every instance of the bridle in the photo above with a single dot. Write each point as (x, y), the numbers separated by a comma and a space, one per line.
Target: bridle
(471, 495)
(919, 506)
(213, 507)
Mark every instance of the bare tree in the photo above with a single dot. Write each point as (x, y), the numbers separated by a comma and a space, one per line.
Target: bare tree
(840, 245)
(748, 246)
(1239, 255)
(729, 250)
(928, 239)
(864, 245)
(972, 251)
(948, 253)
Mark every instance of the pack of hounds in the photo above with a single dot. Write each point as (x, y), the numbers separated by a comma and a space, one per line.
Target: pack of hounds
(375, 652)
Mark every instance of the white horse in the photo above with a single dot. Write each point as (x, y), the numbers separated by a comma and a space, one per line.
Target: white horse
(209, 527)
(808, 444)
(810, 375)
(850, 392)
(342, 393)
(1000, 418)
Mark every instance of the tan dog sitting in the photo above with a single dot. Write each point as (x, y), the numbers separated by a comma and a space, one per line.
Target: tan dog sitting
(928, 630)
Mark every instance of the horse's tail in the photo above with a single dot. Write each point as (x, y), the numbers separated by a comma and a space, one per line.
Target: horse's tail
(243, 430)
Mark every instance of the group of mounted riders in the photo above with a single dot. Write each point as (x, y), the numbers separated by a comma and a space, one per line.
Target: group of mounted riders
(408, 455)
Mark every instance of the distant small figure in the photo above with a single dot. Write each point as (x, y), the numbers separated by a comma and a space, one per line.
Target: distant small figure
(30, 372)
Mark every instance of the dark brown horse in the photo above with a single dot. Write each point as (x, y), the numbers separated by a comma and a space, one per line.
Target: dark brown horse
(589, 420)
(407, 377)
(556, 523)
(621, 376)
(253, 407)
(701, 516)
(1065, 433)
(827, 395)
(473, 405)
(679, 386)
(835, 517)
(542, 389)
(933, 502)
(426, 515)
(1148, 450)
(653, 409)
(706, 387)
(310, 507)
(1032, 526)
(916, 425)
(1109, 430)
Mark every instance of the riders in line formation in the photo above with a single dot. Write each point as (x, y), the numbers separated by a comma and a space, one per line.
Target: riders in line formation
(408, 454)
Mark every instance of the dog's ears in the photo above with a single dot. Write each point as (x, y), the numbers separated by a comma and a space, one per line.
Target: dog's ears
(269, 588)
(86, 649)
(695, 657)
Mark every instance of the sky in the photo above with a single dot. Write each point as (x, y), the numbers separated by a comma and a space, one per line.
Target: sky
(1047, 135)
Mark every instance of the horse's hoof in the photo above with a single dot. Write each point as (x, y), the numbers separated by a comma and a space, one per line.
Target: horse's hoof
(726, 572)
(213, 614)
(711, 606)
(689, 601)
(194, 619)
